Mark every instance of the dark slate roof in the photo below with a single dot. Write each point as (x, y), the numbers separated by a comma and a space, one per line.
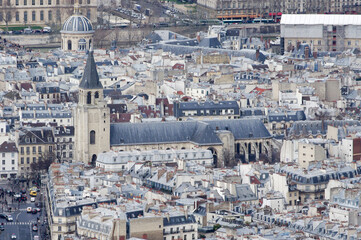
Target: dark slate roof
(153, 38)
(201, 133)
(315, 127)
(233, 32)
(207, 105)
(210, 43)
(64, 131)
(8, 147)
(244, 193)
(179, 220)
(90, 78)
(287, 117)
(242, 128)
(36, 136)
(162, 132)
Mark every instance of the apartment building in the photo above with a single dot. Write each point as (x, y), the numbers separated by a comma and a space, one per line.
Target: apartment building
(331, 32)
(34, 145)
(9, 160)
(43, 12)
(207, 109)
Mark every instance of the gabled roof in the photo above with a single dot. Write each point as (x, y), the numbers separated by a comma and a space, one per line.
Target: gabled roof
(90, 78)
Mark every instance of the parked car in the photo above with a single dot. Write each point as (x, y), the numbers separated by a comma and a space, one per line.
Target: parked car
(29, 209)
(13, 236)
(32, 199)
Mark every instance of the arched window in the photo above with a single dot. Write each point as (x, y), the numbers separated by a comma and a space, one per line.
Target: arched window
(89, 98)
(96, 95)
(82, 44)
(69, 44)
(92, 137)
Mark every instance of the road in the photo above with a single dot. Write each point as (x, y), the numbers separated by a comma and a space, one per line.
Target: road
(23, 221)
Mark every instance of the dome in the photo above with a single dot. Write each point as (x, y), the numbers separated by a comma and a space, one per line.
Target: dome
(77, 24)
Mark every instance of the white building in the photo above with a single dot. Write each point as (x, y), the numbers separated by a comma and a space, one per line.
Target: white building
(9, 160)
(119, 161)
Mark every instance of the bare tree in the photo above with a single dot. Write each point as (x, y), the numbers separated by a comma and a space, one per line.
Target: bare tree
(42, 165)
(6, 13)
(228, 158)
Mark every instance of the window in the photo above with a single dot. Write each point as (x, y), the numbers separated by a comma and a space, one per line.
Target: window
(59, 228)
(3, 154)
(57, 2)
(25, 16)
(70, 155)
(88, 14)
(39, 149)
(49, 2)
(34, 159)
(50, 15)
(92, 137)
(89, 98)
(33, 16)
(34, 149)
(17, 18)
(17, 2)
(96, 95)
(64, 154)
(33, 2)
(41, 2)
(27, 160)
(25, 2)
(41, 15)
(22, 160)
(13, 162)
(88, 1)
(3, 162)
(27, 150)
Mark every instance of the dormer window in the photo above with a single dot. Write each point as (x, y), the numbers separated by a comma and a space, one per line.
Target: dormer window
(27, 140)
(33, 140)
(50, 139)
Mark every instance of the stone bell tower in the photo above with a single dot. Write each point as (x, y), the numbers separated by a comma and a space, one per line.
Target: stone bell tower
(91, 116)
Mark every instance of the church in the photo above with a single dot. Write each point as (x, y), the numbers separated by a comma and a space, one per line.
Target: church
(245, 139)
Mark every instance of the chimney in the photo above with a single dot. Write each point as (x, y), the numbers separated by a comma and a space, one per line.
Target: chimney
(198, 38)
(307, 52)
(257, 53)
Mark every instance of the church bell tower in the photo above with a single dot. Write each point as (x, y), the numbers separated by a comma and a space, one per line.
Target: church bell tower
(91, 116)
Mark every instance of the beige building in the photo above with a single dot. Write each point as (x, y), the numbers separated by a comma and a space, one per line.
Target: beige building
(310, 153)
(330, 32)
(34, 144)
(43, 12)
(91, 116)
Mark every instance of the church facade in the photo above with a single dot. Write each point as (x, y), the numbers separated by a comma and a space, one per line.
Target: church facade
(91, 116)
(244, 139)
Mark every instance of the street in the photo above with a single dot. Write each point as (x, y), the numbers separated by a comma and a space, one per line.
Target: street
(22, 224)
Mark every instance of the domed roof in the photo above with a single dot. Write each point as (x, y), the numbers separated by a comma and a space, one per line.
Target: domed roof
(77, 24)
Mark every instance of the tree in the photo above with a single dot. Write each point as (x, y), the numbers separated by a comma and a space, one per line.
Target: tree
(6, 13)
(228, 158)
(42, 165)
